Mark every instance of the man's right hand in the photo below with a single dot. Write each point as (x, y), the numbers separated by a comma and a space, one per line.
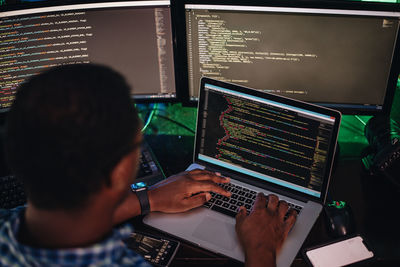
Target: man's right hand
(264, 230)
(185, 191)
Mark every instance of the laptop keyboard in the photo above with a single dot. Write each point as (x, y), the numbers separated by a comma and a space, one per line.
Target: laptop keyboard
(241, 196)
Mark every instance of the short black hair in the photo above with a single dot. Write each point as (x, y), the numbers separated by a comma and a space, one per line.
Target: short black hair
(66, 131)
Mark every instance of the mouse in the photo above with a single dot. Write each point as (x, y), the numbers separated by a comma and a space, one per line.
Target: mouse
(339, 219)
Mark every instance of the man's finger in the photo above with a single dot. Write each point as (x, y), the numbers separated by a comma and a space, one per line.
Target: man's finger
(260, 202)
(242, 214)
(272, 202)
(290, 220)
(201, 175)
(282, 209)
(208, 186)
(197, 200)
(196, 172)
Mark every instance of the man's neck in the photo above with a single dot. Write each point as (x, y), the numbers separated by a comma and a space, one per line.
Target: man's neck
(65, 229)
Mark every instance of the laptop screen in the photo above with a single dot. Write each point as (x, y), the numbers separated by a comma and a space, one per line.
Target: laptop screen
(273, 139)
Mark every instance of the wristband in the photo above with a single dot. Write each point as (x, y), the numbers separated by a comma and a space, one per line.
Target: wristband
(143, 198)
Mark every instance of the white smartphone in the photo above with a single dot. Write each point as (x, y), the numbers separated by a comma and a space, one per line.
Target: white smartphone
(339, 253)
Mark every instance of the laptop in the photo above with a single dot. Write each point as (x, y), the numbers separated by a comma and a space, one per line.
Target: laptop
(264, 143)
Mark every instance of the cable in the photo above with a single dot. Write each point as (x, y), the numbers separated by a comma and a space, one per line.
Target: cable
(150, 117)
(150, 109)
(358, 118)
(153, 113)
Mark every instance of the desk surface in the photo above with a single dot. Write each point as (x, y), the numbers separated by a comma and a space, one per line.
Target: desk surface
(371, 199)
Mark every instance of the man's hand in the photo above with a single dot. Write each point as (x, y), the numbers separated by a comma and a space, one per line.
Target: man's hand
(185, 191)
(262, 232)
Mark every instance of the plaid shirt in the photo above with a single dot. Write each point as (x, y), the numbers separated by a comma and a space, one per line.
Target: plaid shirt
(110, 252)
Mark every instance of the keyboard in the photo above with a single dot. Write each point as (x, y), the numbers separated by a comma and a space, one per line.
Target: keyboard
(147, 166)
(12, 193)
(150, 170)
(241, 196)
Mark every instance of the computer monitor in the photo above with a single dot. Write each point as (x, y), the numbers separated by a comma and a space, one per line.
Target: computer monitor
(133, 37)
(343, 55)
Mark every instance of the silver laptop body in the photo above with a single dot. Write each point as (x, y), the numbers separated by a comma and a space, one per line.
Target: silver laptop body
(254, 138)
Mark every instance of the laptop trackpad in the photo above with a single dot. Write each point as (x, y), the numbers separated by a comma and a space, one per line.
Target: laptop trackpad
(217, 232)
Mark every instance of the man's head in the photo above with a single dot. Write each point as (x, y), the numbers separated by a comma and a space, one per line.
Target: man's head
(67, 130)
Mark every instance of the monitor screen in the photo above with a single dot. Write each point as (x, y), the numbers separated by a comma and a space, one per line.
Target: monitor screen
(133, 37)
(339, 57)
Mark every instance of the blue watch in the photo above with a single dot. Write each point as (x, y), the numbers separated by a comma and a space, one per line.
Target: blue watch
(140, 189)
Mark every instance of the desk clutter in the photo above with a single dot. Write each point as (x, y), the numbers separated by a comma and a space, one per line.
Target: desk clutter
(156, 250)
(339, 219)
(382, 156)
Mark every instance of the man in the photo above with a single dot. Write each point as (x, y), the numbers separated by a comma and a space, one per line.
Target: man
(73, 138)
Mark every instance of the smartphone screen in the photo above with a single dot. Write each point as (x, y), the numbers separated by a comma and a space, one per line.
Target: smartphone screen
(340, 253)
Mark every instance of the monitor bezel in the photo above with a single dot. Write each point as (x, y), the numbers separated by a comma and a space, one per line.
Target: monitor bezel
(292, 103)
(178, 9)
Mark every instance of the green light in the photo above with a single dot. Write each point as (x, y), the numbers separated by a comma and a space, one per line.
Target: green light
(337, 204)
(383, 1)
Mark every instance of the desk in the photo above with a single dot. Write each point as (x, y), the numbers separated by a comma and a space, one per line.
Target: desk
(369, 197)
